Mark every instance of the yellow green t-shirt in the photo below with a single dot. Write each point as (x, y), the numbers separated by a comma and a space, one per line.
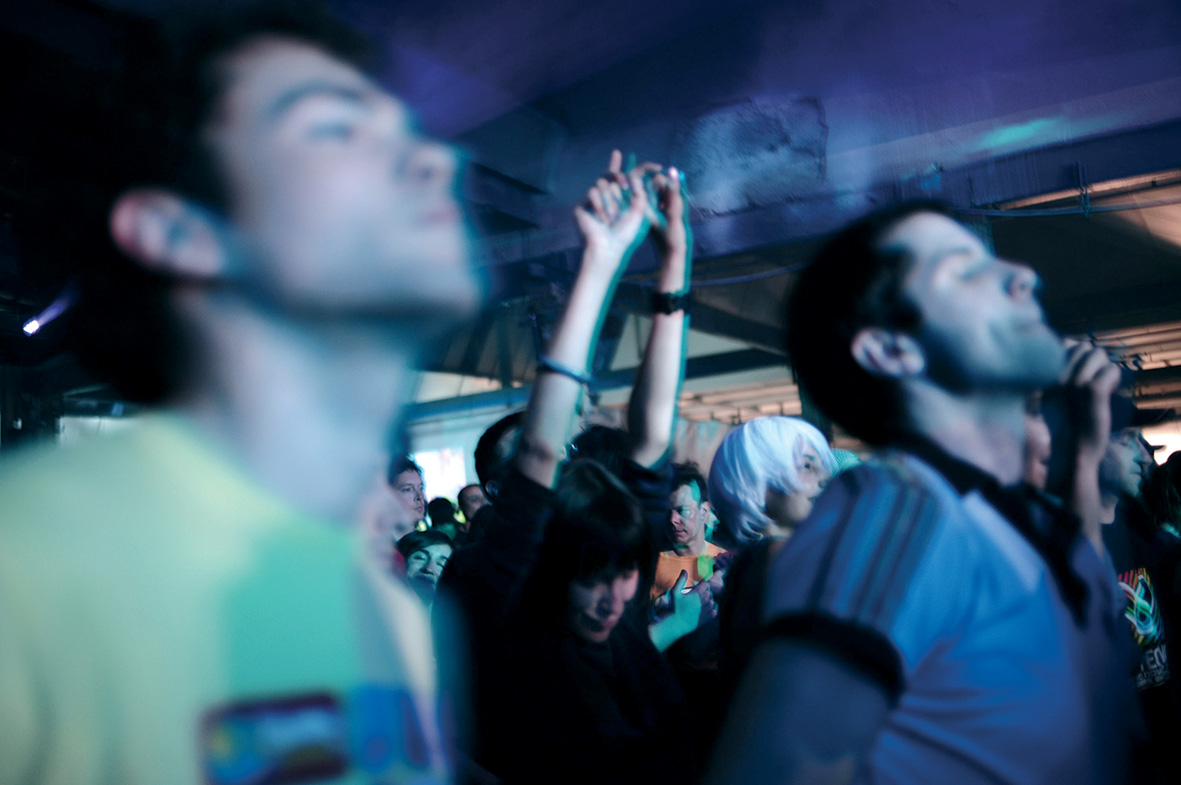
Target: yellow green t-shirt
(163, 621)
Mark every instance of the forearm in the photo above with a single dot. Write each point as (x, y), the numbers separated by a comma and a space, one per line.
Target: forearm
(652, 409)
(1084, 499)
(549, 420)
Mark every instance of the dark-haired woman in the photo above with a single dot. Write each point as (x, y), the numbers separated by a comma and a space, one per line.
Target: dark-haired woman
(568, 685)
(576, 692)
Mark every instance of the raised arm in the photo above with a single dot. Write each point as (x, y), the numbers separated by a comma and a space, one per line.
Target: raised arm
(652, 410)
(613, 221)
(1089, 381)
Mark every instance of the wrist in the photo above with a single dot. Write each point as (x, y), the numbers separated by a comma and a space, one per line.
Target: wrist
(668, 303)
(547, 364)
(602, 257)
(672, 283)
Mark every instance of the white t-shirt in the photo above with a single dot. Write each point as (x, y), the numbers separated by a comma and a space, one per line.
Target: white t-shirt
(999, 684)
(165, 622)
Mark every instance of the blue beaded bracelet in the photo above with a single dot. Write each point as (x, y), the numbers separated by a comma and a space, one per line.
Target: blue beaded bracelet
(545, 363)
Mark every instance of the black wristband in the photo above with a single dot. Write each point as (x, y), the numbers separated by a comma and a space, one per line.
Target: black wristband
(670, 302)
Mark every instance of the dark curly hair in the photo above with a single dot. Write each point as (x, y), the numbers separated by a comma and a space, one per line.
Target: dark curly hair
(413, 542)
(399, 464)
(852, 283)
(689, 473)
(161, 98)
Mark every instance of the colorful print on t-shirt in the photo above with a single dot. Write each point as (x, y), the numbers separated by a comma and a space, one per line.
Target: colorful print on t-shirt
(1143, 613)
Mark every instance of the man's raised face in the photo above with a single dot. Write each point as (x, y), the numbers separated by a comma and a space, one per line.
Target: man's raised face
(337, 205)
(982, 327)
(1125, 463)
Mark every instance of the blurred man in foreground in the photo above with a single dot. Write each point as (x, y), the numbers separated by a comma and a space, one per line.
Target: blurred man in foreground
(182, 603)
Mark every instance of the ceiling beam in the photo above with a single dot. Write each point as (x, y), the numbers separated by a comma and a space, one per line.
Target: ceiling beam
(709, 319)
(512, 397)
(980, 184)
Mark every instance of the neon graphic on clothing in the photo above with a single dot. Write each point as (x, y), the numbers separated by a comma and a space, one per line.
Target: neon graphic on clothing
(1142, 610)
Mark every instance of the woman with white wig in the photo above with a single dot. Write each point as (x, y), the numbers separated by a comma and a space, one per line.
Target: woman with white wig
(762, 483)
(765, 476)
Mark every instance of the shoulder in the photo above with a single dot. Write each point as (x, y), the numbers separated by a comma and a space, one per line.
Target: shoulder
(893, 470)
(878, 532)
(517, 516)
(64, 493)
(888, 499)
(158, 484)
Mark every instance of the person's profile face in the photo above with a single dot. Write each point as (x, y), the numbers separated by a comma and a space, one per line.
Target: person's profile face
(981, 324)
(1125, 463)
(336, 204)
(471, 499)
(813, 476)
(687, 514)
(788, 510)
(409, 491)
(385, 518)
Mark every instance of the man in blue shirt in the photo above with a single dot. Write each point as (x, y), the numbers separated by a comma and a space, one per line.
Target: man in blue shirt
(932, 621)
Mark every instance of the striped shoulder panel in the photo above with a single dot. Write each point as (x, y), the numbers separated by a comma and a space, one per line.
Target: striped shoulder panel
(884, 522)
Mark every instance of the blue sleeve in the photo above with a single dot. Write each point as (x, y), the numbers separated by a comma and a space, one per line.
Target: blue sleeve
(843, 579)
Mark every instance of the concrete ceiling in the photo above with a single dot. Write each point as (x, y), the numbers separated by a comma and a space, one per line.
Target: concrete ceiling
(789, 119)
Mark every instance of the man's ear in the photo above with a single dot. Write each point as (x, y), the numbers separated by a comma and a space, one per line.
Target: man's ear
(167, 234)
(886, 353)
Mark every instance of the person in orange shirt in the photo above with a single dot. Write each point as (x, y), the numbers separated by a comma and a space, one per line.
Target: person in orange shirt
(689, 511)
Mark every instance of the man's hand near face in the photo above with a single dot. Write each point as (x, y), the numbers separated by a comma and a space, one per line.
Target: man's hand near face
(1090, 379)
(1088, 382)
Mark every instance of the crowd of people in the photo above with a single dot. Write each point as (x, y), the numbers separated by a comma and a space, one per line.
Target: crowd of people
(987, 595)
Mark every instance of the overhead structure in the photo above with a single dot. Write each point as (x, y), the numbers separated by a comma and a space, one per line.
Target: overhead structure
(1058, 123)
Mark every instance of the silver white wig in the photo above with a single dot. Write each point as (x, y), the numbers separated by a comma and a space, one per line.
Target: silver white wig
(757, 456)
